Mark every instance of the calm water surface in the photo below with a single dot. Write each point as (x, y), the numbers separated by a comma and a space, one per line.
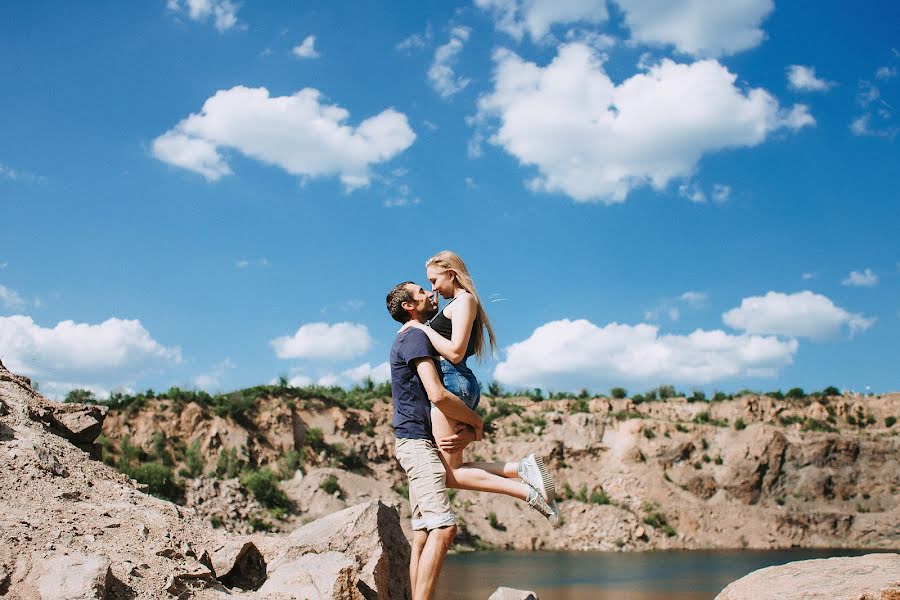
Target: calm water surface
(675, 575)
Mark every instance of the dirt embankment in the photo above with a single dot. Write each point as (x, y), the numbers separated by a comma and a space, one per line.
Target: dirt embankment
(753, 471)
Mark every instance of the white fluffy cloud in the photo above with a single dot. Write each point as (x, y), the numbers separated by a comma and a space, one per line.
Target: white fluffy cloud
(346, 378)
(803, 314)
(596, 141)
(10, 298)
(307, 49)
(866, 278)
(223, 13)
(114, 352)
(697, 27)
(570, 354)
(441, 74)
(300, 134)
(804, 79)
(326, 342)
(212, 379)
(535, 17)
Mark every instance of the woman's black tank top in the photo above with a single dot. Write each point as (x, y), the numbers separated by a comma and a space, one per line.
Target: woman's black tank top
(444, 326)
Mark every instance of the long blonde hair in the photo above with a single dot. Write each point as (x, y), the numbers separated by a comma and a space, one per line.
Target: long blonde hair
(446, 259)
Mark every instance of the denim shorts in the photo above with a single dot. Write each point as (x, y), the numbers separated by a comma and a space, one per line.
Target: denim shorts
(461, 382)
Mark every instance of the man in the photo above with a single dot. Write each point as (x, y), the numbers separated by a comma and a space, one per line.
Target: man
(416, 387)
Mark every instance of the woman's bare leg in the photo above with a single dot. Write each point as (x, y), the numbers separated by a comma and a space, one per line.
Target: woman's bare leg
(480, 477)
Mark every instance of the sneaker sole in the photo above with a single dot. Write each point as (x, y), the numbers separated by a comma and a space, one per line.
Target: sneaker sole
(546, 479)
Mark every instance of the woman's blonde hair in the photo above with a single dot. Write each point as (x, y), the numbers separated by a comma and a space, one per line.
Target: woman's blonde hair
(445, 259)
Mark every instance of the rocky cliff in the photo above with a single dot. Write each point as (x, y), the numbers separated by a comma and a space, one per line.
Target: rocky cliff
(752, 471)
(73, 528)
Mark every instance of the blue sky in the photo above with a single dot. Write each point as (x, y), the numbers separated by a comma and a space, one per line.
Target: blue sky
(211, 194)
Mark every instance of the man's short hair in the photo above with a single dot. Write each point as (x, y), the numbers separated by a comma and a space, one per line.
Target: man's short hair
(395, 299)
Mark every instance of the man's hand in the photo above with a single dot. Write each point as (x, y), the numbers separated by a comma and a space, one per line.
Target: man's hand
(455, 443)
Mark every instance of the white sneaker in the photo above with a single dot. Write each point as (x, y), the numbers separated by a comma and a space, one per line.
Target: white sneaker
(551, 510)
(534, 472)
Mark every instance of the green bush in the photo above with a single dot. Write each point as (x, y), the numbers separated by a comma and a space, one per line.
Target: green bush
(624, 415)
(815, 425)
(796, 393)
(648, 433)
(80, 396)
(494, 522)
(703, 418)
(599, 496)
(315, 439)
(666, 391)
(681, 428)
(790, 419)
(697, 396)
(159, 479)
(739, 424)
(831, 391)
(401, 489)
(263, 484)
(193, 461)
(618, 393)
(289, 462)
(330, 485)
(228, 464)
(579, 406)
(889, 421)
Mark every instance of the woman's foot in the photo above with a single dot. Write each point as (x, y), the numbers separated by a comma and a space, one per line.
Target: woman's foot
(551, 510)
(534, 472)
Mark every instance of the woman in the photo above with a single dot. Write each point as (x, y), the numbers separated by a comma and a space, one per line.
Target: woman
(458, 332)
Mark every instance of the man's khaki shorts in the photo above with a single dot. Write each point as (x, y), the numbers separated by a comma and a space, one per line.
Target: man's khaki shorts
(427, 484)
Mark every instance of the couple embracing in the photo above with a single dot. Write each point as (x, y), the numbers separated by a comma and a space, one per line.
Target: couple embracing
(435, 395)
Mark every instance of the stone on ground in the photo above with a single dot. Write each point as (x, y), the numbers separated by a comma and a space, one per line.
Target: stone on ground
(371, 534)
(869, 577)
(74, 577)
(328, 576)
(238, 563)
(505, 593)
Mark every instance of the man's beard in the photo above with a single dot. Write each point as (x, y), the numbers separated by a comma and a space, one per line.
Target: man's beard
(429, 312)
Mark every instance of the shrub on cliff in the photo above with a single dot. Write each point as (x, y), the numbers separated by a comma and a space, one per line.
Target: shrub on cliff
(263, 484)
(193, 461)
(618, 393)
(889, 421)
(80, 396)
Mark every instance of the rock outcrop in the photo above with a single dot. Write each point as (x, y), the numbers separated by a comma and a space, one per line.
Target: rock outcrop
(869, 577)
(505, 593)
(73, 528)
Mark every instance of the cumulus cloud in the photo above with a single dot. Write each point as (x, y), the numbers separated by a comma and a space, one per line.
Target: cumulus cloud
(697, 27)
(671, 307)
(300, 133)
(346, 378)
(114, 352)
(222, 13)
(596, 141)
(10, 298)
(803, 314)
(323, 341)
(866, 278)
(804, 79)
(536, 17)
(212, 379)
(441, 74)
(569, 354)
(307, 49)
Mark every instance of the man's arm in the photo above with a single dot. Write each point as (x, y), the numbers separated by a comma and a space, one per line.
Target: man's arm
(445, 401)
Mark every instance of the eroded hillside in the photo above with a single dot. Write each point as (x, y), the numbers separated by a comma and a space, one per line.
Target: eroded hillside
(753, 471)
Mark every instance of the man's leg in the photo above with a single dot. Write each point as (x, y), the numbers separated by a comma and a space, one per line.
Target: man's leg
(418, 544)
(431, 560)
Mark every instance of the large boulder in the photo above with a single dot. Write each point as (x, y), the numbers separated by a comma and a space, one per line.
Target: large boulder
(78, 423)
(370, 533)
(239, 564)
(327, 576)
(869, 577)
(74, 577)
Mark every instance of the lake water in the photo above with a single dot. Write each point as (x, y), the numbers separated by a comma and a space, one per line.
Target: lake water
(673, 575)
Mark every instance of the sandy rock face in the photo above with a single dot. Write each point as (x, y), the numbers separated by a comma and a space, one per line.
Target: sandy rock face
(329, 576)
(869, 577)
(75, 577)
(369, 533)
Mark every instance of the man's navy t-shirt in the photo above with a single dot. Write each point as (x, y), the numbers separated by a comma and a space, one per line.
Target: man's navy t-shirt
(412, 409)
